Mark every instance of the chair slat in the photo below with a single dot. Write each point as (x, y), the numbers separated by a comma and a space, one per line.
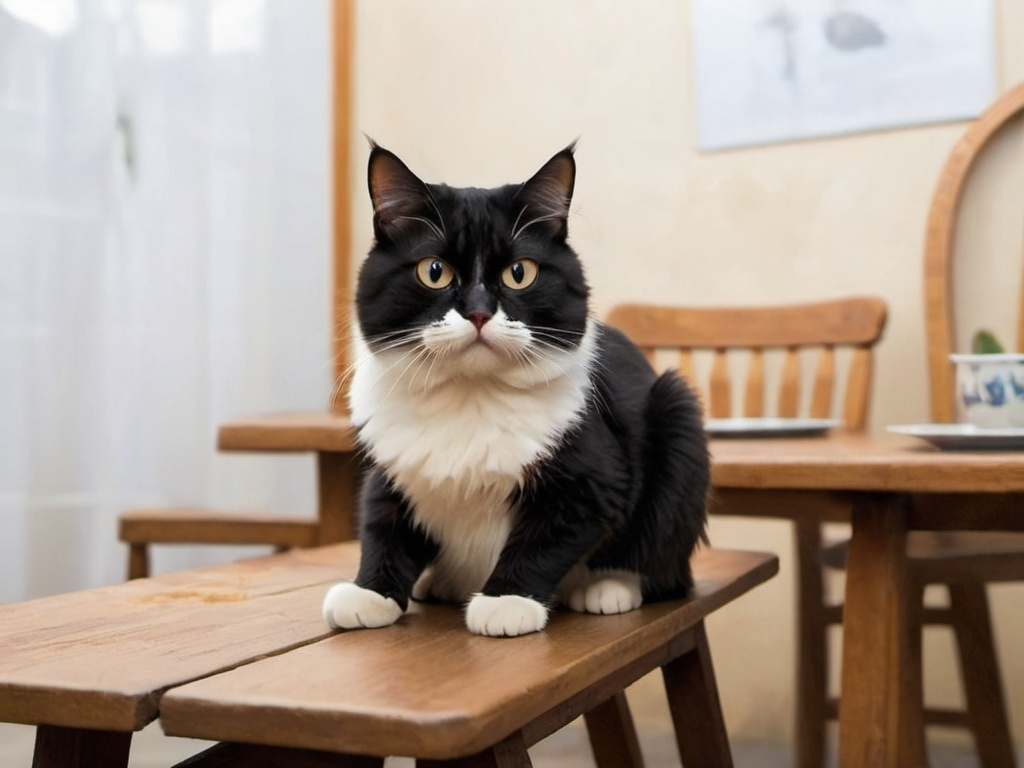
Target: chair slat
(789, 388)
(858, 388)
(753, 399)
(686, 365)
(720, 388)
(824, 384)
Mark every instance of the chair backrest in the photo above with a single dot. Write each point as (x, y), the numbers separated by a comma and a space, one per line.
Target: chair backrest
(938, 252)
(799, 333)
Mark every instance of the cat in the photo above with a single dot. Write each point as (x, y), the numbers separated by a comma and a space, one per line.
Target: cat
(522, 454)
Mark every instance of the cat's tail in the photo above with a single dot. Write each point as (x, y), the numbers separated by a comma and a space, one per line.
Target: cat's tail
(678, 475)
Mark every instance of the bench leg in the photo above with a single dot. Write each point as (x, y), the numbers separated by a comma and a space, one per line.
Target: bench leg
(231, 755)
(138, 561)
(613, 735)
(510, 753)
(695, 707)
(60, 747)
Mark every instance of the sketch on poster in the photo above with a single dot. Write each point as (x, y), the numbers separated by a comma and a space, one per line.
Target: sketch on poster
(777, 70)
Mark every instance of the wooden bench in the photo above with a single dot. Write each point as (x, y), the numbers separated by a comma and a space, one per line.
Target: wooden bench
(239, 654)
(89, 668)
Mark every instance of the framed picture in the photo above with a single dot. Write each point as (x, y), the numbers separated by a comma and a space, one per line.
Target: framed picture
(777, 70)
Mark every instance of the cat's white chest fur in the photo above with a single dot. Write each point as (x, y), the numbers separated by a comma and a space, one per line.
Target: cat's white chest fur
(458, 445)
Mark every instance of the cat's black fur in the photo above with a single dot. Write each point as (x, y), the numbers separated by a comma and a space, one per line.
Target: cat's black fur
(624, 486)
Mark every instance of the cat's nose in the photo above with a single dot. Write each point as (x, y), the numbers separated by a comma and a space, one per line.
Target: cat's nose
(478, 319)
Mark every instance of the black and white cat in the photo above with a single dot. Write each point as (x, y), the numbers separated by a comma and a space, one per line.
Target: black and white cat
(523, 454)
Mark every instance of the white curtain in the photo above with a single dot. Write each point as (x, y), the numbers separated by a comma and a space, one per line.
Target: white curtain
(164, 266)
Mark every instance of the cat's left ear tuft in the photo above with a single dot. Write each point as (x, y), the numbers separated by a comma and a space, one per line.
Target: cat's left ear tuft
(400, 199)
(547, 195)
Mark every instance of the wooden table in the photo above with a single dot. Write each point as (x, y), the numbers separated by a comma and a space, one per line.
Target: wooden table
(882, 478)
(893, 485)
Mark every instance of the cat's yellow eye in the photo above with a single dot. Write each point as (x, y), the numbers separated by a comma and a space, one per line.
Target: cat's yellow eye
(434, 273)
(520, 274)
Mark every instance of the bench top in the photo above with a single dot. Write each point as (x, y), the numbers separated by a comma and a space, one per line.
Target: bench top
(102, 658)
(426, 686)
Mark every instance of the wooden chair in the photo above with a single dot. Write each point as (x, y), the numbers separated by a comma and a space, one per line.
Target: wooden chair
(826, 335)
(963, 562)
(142, 528)
(966, 561)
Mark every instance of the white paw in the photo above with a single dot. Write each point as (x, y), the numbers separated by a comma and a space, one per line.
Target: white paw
(616, 592)
(347, 606)
(505, 616)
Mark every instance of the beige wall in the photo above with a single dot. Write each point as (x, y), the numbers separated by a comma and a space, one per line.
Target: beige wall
(477, 93)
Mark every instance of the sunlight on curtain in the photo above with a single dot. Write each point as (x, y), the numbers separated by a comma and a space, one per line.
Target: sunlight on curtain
(164, 266)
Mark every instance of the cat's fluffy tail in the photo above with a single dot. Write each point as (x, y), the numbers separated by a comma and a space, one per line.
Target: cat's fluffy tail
(677, 482)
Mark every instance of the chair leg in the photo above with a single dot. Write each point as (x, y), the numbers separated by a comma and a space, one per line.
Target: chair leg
(138, 561)
(510, 753)
(811, 647)
(612, 734)
(979, 669)
(913, 748)
(695, 707)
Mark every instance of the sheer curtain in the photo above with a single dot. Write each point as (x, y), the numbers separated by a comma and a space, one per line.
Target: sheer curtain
(164, 266)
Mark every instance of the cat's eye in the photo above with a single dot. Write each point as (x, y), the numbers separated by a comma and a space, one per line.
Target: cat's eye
(520, 274)
(434, 273)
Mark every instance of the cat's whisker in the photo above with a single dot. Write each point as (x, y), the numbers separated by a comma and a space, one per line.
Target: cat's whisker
(420, 353)
(424, 220)
(399, 339)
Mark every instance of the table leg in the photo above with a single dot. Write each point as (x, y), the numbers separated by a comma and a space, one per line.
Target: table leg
(60, 747)
(337, 478)
(880, 707)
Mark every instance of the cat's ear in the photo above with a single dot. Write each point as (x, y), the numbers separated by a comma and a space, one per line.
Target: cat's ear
(546, 196)
(401, 201)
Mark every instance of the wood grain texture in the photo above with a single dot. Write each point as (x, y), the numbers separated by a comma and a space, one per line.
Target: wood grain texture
(864, 462)
(100, 659)
(696, 711)
(291, 431)
(940, 235)
(427, 687)
(847, 321)
(342, 58)
(211, 526)
(983, 685)
(337, 478)
(612, 734)
(875, 682)
(796, 331)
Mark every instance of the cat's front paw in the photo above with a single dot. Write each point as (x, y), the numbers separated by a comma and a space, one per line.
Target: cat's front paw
(610, 593)
(505, 615)
(348, 606)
